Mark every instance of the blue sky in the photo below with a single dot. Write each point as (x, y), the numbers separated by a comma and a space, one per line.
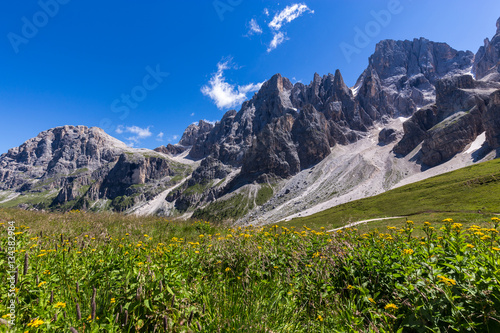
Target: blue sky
(145, 70)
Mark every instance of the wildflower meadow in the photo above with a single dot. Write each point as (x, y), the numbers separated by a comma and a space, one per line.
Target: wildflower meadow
(436, 276)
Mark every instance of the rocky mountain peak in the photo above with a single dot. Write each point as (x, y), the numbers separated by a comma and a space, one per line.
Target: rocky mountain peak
(276, 83)
(419, 56)
(487, 59)
(194, 131)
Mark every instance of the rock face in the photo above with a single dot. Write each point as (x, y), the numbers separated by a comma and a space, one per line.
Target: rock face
(82, 165)
(61, 151)
(285, 128)
(401, 75)
(415, 129)
(387, 136)
(491, 120)
(454, 121)
(488, 57)
(193, 132)
(171, 149)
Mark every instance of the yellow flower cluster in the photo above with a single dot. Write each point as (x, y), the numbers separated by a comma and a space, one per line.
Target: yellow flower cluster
(408, 252)
(391, 307)
(447, 281)
(35, 323)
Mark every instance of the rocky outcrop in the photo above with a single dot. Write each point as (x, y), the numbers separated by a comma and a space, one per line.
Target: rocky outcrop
(447, 127)
(401, 75)
(273, 151)
(171, 149)
(387, 136)
(133, 169)
(194, 131)
(487, 59)
(74, 163)
(452, 135)
(210, 168)
(415, 129)
(491, 121)
(56, 153)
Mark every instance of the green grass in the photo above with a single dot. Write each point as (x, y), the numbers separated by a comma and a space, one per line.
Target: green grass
(265, 193)
(225, 210)
(131, 274)
(198, 188)
(42, 199)
(470, 191)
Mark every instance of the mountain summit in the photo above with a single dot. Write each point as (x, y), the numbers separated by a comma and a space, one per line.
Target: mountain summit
(420, 108)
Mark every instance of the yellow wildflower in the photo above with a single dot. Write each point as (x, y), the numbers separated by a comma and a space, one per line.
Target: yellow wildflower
(35, 322)
(408, 251)
(59, 305)
(447, 281)
(391, 307)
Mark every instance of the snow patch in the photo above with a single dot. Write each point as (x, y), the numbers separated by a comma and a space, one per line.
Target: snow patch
(481, 138)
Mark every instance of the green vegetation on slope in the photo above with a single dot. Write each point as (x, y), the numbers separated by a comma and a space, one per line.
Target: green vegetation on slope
(468, 190)
(222, 210)
(265, 193)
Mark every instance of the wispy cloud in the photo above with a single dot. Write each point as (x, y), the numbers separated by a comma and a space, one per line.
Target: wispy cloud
(159, 137)
(139, 133)
(278, 38)
(224, 94)
(255, 28)
(288, 14)
(266, 11)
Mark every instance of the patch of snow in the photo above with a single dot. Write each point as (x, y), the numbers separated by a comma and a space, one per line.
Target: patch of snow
(481, 138)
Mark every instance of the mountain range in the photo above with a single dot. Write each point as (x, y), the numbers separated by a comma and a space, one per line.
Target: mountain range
(419, 109)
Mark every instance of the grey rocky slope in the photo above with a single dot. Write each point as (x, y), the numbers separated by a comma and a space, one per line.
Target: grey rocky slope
(294, 148)
(81, 167)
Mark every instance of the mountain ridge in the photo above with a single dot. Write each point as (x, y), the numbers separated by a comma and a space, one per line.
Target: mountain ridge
(259, 158)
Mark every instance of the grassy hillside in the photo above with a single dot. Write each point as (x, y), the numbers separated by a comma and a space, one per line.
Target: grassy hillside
(469, 193)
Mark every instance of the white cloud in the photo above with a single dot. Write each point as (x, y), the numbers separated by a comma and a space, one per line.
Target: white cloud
(172, 138)
(140, 133)
(278, 38)
(255, 28)
(159, 137)
(224, 94)
(266, 11)
(288, 14)
(119, 129)
(192, 114)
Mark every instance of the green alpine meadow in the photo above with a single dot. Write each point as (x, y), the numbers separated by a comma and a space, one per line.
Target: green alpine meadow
(168, 276)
